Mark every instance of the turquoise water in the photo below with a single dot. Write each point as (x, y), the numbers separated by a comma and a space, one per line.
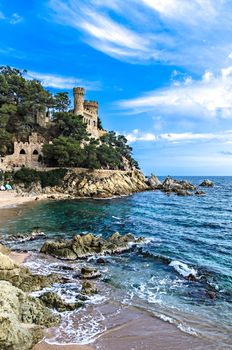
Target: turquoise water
(183, 234)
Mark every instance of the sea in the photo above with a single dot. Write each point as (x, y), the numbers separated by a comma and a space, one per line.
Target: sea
(183, 235)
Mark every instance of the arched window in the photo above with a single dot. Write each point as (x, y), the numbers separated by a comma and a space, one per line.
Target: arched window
(94, 123)
(35, 152)
(22, 151)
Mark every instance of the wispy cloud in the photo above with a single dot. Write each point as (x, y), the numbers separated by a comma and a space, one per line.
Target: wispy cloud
(61, 82)
(224, 137)
(2, 16)
(188, 33)
(15, 18)
(210, 96)
(137, 135)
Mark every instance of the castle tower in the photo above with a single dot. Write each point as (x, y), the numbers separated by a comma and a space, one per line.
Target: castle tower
(79, 94)
(91, 106)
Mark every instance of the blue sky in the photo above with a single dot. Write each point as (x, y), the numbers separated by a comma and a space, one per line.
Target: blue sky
(160, 69)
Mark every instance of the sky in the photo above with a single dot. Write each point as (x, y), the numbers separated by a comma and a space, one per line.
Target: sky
(160, 69)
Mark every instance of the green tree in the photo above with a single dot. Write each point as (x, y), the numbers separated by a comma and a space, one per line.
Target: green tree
(62, 101)
(64, 151)
(69, 125)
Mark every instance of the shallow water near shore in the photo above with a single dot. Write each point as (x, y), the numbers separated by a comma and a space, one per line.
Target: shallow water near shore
(183, 235)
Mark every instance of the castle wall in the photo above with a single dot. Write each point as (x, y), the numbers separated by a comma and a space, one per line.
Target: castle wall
(25, 154)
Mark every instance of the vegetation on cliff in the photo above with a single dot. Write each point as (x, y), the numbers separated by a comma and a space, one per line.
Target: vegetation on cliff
(68, 143)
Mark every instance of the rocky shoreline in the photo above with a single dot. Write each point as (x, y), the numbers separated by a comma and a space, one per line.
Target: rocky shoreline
(24, 317)
(103, 184)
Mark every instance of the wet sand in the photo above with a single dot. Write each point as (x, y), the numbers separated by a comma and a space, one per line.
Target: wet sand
(45, 346)
(19, 258)
(134, 329)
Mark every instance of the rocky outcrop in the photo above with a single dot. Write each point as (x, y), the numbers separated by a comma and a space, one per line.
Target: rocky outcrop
(172, 186)
(23, 237)
(154, 182)
(83, 246)
(53, 300)
(22, 318)
(22, 278)
(89, 273)
(4, 250)
(207, 183)
(93, 183)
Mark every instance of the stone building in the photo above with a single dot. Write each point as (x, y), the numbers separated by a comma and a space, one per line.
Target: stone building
(89, 112)
(25, 154)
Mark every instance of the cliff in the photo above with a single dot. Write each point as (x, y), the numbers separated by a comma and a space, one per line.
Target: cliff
(93, 183)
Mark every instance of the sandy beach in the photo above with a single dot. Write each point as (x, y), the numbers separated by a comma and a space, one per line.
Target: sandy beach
(12, 198)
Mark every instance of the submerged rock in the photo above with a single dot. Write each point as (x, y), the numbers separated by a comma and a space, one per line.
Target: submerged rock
(83, 246)
(88, 288)
(21, 318)
(53, 300)
(90, 273)
(199, 193)
(207, 183)
(23, 237)
(101, 261)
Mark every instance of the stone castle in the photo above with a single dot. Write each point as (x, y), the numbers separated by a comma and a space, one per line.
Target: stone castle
(88, 110)
(28, 153)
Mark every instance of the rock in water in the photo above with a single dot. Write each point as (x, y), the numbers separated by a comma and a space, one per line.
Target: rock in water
(154, 182)
(88, 288)
(178, 187)
(207, 183)
(20, 316)
(21, 238)
(90, 273)
(83, 246)
(53, 300)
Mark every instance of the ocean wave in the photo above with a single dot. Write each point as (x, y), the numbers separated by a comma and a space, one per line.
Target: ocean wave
(77, 328)
(183, 269)
(116, 217)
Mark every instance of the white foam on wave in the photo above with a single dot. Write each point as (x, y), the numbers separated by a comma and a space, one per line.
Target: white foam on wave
(183, 269)
(187, 329)
(78, 329)
(116, 217)
(180, 326)
(68, 292)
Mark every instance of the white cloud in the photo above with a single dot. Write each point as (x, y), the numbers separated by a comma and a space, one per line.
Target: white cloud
(224, 137)
(209, 97)
(15, 18)
(221, 137)
(194, 33)
(60, 82)
(137, 135)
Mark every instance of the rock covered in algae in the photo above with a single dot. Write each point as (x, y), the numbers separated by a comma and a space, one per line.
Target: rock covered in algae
(22, 318)
(53, 300)
(22, 278)
(83, 246)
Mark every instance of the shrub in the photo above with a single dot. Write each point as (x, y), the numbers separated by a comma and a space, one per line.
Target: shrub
(45, 178)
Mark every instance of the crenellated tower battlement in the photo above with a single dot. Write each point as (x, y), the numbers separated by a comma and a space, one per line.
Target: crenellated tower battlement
(88, 110)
